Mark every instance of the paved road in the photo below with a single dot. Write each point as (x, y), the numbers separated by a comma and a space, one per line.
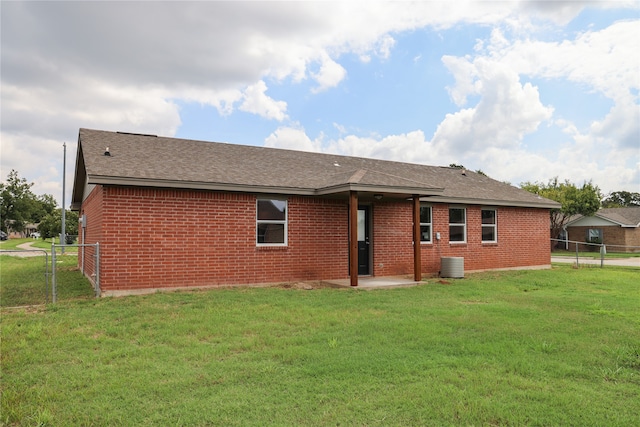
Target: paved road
(628, 262)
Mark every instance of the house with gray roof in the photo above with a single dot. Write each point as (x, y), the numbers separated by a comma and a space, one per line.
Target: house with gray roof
(617, 228)
(173, 213)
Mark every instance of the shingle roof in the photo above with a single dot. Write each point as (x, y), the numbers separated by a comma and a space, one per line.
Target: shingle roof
(628, 217)
(147, 160)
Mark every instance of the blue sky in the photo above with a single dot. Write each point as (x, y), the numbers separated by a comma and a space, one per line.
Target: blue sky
(524, 91)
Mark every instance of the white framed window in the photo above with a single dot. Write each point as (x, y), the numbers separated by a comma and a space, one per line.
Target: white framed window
(425, 224)
(271, 222)
(489, 225)
(594, 235)
(457, 225)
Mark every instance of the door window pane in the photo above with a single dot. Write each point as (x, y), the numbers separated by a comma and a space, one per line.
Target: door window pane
(361, 225)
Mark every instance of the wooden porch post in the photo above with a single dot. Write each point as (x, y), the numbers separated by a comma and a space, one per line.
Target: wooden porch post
(353, 237)
(417, 259)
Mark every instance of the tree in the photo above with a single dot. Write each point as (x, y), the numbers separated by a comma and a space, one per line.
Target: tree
(621, 199)
(51, 224)
(584, 201)
(19, 206)
(17, 202)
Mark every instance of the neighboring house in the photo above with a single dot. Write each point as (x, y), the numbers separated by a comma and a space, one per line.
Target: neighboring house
(173, 213)
(28, 229)
(617, 228)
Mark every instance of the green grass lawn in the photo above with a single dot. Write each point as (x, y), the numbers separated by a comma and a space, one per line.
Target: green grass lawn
(552, 347)
(45, 244)
(23, 280)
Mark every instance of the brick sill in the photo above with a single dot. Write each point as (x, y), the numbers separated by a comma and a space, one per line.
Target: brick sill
(271, 248)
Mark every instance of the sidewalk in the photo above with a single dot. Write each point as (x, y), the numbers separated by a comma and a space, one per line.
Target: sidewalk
(626, 262)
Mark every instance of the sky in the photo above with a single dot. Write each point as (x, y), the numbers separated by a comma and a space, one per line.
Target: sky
(524, 91)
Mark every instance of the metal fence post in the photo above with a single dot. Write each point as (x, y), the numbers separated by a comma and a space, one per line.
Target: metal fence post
(577, 258)
(603, 252)
(46, 275)
(97, 266)
(53, 273)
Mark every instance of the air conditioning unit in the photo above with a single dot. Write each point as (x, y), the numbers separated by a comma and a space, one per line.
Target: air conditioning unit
(452, 267)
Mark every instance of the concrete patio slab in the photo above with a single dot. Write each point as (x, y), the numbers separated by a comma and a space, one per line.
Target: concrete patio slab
(367, 282)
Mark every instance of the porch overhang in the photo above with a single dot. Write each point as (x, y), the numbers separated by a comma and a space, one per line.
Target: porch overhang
(379, 192)
(354, 200)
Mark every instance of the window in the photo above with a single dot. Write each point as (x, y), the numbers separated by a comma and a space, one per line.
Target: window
(489, 226)
(271, 222)
(425, 223)
(457, 225)
(594, 235)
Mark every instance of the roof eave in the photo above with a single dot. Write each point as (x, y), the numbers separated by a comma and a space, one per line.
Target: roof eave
(621, 224)
(382, 189)
(195, 185)
(493, 202)
(215, 186)
(604, 218)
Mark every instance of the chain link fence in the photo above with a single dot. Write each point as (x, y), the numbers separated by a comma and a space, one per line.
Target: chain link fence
(596, 254)
(32, 277)
(24, 277)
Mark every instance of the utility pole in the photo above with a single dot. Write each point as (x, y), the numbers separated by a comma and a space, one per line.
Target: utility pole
(63, 236)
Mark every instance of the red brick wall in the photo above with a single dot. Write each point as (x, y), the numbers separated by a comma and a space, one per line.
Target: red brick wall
(522, 241)
(392, 238)
(155, 238)
(92, 209)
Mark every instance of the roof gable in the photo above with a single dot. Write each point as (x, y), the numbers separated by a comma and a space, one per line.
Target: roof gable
(624, 217)
(627, 217)
(147, 160)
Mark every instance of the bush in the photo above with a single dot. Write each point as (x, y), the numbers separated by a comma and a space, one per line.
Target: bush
(594, 241)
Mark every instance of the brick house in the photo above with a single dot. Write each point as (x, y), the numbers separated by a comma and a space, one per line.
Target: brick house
(172, 213)
(617, 228)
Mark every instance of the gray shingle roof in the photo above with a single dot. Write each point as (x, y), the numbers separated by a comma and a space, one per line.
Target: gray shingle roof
(628, 217)
(147, 160)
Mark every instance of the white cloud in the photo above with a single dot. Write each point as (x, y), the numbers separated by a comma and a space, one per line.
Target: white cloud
(257, 102)
(605, 61)
(507, 109)
(621, 126)
(330, 75)
(293, 139)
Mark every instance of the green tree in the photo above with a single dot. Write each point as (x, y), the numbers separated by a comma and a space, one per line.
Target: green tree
(583, 201)
(19, 206)
(51, 225)
(621, 199)
(47, 205)
(17, 202)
